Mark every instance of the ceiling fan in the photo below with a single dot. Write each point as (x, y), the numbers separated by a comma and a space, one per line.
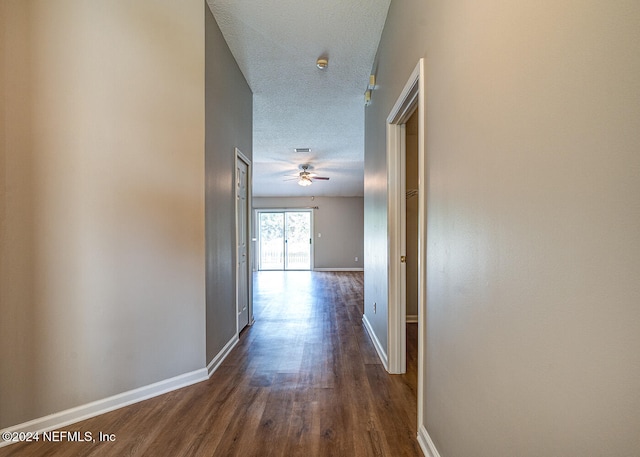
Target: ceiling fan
(305, 178)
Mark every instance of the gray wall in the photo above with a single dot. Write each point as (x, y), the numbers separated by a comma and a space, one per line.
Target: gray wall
(101, 200)
(229, 113)
(533, 242)
(338, 219)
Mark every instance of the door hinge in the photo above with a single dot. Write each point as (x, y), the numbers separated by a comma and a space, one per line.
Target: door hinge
(403, 259)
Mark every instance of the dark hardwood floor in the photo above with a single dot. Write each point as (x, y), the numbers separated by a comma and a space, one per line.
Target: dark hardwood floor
(303, 381)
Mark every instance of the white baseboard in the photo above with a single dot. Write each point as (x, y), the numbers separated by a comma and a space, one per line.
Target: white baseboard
(224, 352)
(89, 410)
(376, 342)
(426, 444)
(82, 412)
(412, 318)
(338, 269)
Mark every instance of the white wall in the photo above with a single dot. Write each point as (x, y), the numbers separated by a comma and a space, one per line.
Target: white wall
(340, 222)
(533, 214)
(102, 256)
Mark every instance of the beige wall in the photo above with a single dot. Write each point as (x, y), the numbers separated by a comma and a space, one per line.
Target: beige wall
(533, 221)
(102, 278)
(229, 112)
(340, 222)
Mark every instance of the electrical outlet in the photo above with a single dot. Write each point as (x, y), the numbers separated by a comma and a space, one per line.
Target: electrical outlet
(356, 259)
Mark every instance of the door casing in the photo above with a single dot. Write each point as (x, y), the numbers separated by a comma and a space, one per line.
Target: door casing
(248, 287)
(411, 98)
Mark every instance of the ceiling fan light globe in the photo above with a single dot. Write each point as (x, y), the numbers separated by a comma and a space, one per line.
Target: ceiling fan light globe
(304, 181)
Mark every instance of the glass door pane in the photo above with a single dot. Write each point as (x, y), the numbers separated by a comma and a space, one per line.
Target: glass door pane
(272, 241)
(298, 240)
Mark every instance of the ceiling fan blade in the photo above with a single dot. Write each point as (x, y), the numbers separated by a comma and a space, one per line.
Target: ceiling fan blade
(321, 178)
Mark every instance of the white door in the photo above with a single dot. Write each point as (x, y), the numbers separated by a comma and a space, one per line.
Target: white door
(242, 240)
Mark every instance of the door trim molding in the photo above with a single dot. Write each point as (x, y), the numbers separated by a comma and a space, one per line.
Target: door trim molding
(412, 97)
(402, 110)
(240, 156)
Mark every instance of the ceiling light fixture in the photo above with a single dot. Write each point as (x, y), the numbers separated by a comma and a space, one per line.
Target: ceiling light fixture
(322, 63)
(304, 181)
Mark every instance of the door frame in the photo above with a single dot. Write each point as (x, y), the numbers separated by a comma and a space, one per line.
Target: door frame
(239, 156)
(411, 98)
(284, 210)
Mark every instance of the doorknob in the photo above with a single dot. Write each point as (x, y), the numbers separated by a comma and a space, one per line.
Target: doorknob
(403, 259)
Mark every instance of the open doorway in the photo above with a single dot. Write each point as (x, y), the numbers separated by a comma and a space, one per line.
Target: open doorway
(410, 101)
(412, 199)
(412, 205)
(284, 240)
(406, 191)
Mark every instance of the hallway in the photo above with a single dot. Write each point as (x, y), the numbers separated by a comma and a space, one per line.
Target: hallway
(303, 381)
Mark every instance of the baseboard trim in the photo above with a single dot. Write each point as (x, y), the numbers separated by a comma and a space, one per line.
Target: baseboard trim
(426, 444)
(219, 358)
(89, 410)
(105, 405)
(338, 269)
(412, 318)
(376, 342)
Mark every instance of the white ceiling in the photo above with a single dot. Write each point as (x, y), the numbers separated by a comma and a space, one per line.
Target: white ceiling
(276, 44)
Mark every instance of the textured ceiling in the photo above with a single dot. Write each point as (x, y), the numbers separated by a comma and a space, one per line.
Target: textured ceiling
(296, 105)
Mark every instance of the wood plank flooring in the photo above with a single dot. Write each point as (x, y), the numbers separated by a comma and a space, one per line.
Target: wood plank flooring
(303, 381)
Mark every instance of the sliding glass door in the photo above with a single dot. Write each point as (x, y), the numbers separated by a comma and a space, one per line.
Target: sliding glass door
(271, 241)
(285, 240)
